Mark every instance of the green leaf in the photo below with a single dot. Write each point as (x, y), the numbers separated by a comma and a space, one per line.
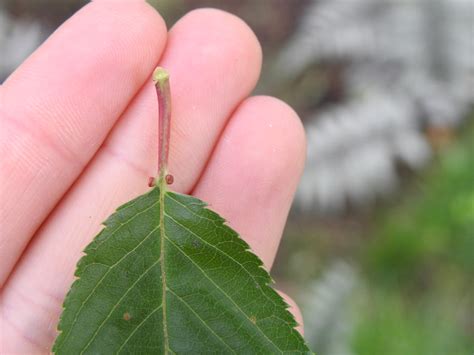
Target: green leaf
(166, 275)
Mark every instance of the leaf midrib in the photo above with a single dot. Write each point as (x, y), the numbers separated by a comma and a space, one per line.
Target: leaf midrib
(162, 264)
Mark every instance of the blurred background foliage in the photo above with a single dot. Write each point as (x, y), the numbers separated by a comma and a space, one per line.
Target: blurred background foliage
(379, 247)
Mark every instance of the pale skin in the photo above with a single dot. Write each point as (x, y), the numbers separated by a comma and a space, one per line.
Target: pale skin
(78, 139)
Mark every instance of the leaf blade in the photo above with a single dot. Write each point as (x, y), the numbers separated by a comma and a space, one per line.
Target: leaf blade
(167, 275)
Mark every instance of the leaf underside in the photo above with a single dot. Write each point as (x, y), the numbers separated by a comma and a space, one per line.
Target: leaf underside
(167, 275)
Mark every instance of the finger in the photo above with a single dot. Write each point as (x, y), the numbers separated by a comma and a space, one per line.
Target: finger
(121, 168)
(295, 310)
(57, 108)
(253, 173)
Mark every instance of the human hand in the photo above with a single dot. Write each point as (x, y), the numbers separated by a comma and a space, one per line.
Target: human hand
(78, 138)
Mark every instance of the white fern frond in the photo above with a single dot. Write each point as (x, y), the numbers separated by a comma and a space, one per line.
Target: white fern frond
(402, 74)
(328, 320)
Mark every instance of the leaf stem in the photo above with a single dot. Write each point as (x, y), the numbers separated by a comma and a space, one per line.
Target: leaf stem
(162, 85)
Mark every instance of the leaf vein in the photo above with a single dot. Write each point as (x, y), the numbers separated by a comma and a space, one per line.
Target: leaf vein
(126, 222)
(222, 291)
(138, 327)
(103, 277)
(202, 320)
(190, 210)
(118, 302)
(222, 252)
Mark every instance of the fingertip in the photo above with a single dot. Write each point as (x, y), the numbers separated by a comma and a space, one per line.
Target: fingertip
(142, 29)
(288, 130)
(295, 310)
(227, 34)
(141, 15)
(103, 30)
(279, 143)
(220, 18)
(257, 163)
(228, 24)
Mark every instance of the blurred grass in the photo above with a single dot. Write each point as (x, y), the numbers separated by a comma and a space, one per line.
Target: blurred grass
(433, 228)
(390, 324)
(419, 265)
